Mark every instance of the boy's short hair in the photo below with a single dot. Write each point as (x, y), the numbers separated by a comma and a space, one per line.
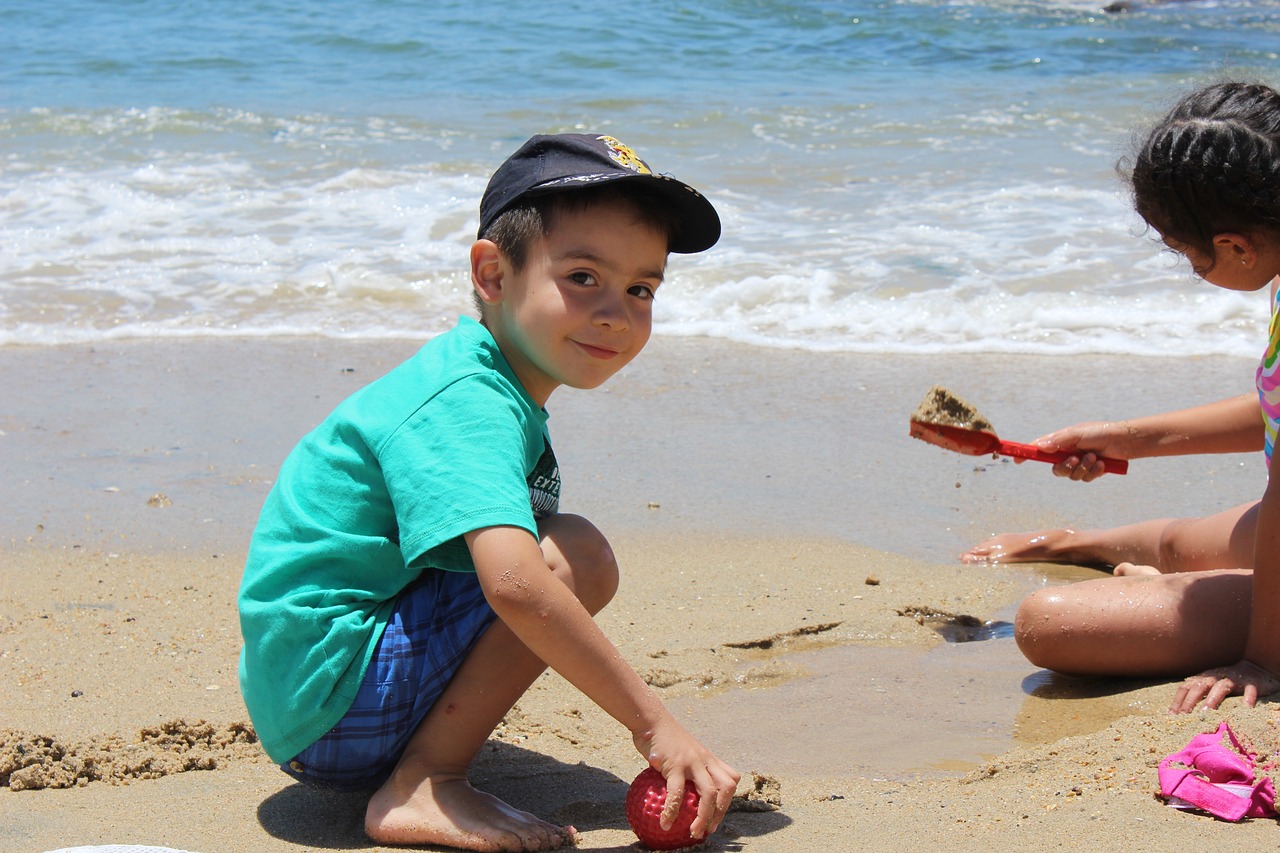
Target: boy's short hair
(516, 229)
(568, 163)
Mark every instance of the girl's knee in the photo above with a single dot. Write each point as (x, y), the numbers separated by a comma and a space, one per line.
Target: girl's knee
(1041, 628)
(1176, 554)
(1026, 627)
(1222, 541)
(1136, 627)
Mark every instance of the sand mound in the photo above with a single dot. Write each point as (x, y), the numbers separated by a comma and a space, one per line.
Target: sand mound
(31, 761)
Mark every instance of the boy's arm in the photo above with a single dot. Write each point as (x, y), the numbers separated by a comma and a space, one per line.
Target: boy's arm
(553, 624)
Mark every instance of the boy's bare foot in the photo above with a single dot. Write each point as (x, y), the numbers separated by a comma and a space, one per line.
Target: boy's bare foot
(1040, 546)
(449, 811)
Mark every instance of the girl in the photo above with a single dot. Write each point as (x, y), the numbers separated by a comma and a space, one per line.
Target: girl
(1195, 595)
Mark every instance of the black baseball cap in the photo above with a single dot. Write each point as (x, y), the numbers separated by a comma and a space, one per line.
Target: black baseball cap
(567, 161)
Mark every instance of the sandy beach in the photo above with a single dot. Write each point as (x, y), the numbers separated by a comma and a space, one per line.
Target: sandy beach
(789, 587)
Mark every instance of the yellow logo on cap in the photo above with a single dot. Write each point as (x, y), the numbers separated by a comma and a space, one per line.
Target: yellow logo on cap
(625, 157)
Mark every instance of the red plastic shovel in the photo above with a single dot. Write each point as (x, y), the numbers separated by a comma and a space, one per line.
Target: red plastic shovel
(975, 442)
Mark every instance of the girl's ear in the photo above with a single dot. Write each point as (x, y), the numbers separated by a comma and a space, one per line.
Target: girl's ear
(1233, 250)
(486, 271)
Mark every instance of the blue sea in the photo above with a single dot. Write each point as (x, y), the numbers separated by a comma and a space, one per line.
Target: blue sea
(930, 176)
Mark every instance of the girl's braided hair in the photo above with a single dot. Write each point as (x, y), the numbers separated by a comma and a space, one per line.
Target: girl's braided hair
(1212, 166)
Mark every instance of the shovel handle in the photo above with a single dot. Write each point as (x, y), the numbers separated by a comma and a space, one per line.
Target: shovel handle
(1030, 451)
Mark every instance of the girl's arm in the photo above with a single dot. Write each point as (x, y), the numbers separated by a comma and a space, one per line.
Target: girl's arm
(1233, 425)
(1257, 674)
(1263, 647)
(550, 620)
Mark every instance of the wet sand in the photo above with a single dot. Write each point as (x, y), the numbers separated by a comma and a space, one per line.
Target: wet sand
(789, 587)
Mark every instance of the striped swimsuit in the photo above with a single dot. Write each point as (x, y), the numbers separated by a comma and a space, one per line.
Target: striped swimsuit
(1268, 380)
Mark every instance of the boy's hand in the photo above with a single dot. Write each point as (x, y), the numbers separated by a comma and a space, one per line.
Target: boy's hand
(681, 759)
(553, 624)
(1214, 685)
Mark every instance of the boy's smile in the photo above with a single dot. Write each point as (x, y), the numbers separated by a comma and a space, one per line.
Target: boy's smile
(582, 306)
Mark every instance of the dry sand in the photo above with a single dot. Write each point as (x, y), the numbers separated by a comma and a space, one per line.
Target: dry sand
(789, 587)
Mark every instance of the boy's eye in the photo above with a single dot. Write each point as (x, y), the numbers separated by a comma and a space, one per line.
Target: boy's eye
(583, 278)
(644, 291)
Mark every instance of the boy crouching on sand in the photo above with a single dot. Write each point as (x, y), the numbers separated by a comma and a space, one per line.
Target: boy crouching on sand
(396, 602)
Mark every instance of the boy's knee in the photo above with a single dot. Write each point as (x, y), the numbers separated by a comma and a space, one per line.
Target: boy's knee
(595, 571)
(577, 550)
(602, 584)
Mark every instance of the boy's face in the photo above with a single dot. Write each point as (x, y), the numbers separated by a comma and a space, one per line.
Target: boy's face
(582, 306)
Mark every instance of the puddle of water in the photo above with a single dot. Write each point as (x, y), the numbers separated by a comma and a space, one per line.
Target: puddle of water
(879, 712)
(900, 713)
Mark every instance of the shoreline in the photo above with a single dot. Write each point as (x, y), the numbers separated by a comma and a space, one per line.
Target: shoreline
(697, 436)
(787, 567)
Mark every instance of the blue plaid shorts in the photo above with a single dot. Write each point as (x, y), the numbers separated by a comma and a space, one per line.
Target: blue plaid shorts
(437, 619)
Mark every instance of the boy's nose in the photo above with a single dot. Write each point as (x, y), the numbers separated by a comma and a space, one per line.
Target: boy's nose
(611, 311)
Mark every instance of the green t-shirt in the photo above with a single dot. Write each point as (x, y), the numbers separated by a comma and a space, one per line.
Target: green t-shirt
(446, 443)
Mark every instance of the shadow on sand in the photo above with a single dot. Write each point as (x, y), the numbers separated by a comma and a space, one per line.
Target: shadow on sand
(570, 794)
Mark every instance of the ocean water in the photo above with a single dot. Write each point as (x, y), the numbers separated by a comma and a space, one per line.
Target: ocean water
(894, 176)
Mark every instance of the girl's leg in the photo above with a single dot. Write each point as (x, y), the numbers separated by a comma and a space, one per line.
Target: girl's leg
(1156, 626)
(1221, 541)
(428, 800)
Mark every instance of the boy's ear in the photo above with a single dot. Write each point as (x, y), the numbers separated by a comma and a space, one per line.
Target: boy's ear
(486, 271)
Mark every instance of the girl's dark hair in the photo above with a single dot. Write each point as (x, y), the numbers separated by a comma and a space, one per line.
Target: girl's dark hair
(1212, 165)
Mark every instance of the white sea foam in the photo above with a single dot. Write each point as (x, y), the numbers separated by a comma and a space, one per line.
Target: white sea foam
(932, 176)
(185, 245)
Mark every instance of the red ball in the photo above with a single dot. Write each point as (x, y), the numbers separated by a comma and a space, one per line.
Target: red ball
(645, 799)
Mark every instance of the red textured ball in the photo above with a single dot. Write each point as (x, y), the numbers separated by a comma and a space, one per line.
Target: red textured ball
(645, 798)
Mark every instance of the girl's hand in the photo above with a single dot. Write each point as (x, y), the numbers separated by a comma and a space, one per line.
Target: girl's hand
(1086, 442)
(1214, 685)
(681, 759)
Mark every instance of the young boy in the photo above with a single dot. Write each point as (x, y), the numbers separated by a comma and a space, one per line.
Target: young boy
(396, 599)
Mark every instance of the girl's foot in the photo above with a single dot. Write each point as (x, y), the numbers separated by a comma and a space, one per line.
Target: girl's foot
(1040, 546)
